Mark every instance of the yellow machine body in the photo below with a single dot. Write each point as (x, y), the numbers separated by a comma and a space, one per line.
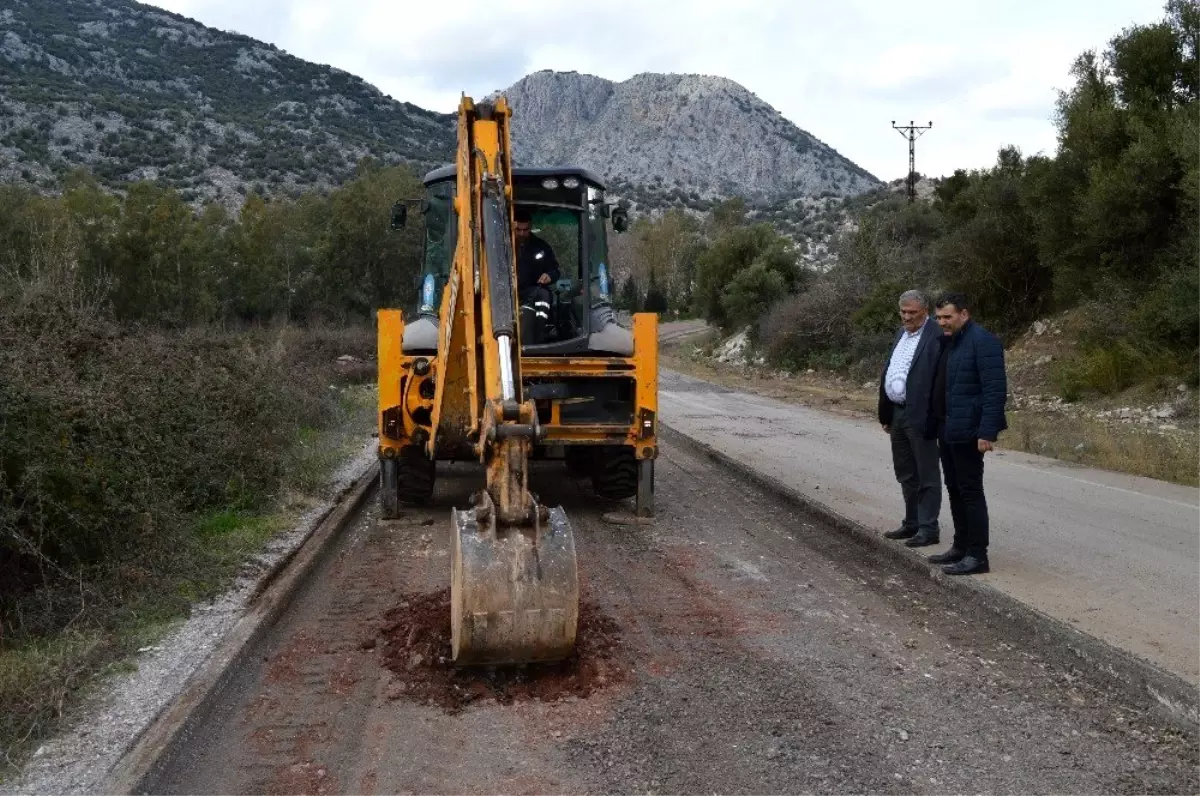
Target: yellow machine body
(458, 383)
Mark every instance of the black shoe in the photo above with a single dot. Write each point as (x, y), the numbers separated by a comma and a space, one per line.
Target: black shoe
(901, 533)
(951, 556)
(922, 539)
(969, 565)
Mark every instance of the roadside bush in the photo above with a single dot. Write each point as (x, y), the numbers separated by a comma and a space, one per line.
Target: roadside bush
(1111, 367)
(154, 418)
(879, 312)
(112, 439)
(803, 327)
(316, 345)
(1170, 312)
(751, 291)
(138, 469)
(816, 329)
(1125, 343)
(757, 259)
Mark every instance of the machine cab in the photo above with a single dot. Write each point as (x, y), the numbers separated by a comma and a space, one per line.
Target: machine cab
(569, 213)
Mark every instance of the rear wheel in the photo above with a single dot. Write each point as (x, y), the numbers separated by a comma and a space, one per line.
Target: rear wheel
(415, 477)
(615, 476)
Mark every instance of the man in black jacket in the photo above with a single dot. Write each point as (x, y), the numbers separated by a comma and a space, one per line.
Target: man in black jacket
(967, 407)
(537, 269)
(904, 400)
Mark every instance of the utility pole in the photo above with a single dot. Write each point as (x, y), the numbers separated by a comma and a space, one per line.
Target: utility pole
(912, 133)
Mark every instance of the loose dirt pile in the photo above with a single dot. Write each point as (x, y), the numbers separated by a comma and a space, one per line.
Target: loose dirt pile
(415, 646)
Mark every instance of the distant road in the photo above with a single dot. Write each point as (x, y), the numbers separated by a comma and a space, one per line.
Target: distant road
(674, 330)
(1114, 555)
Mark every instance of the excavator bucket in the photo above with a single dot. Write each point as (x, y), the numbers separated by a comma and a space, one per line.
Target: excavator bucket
(514, 590)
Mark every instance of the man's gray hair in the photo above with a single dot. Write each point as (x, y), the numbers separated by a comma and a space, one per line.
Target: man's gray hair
(914, 295)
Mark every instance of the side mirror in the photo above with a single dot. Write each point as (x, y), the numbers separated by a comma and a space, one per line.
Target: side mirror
(620, 219)
(399, 215)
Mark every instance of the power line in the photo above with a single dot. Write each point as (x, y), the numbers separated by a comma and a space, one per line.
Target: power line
(912, 133)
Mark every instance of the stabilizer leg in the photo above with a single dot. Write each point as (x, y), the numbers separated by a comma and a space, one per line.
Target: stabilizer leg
(389, 489)
(645, 488)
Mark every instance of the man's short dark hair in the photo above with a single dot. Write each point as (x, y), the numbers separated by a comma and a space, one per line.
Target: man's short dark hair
(959, 300)
(523, 215)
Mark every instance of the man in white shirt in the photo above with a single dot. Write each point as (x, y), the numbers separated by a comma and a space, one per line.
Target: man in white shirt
(904, 404)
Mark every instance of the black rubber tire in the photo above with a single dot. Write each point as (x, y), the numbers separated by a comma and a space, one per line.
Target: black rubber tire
(616, 473)
(415, 479)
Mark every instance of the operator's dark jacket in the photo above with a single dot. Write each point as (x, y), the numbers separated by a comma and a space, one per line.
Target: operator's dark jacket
(530, 266)
(920, 377)
(976, 385)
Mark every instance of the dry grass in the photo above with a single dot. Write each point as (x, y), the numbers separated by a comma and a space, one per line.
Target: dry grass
(38, 679)
(1173, 456)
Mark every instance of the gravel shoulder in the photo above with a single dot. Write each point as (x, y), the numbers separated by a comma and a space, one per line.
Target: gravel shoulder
(743, 647)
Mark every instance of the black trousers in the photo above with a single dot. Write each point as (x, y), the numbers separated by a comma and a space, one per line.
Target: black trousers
(962, 464)
(535, 313)
(915, 462)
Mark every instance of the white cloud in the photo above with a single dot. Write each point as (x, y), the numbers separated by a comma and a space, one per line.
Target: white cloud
(985, 74)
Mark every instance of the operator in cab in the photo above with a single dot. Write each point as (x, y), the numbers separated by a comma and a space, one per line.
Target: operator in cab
(537, 271)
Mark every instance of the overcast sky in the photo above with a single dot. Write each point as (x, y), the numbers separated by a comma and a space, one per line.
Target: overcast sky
(985, 73)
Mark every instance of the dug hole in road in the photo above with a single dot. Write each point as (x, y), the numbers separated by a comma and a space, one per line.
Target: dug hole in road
(735, 645)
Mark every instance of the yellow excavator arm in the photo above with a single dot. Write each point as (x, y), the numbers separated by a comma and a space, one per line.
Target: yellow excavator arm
(458, 382)
(514, 581)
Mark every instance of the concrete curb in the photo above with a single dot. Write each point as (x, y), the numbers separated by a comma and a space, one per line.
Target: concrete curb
(1166, 694)
(272, 595)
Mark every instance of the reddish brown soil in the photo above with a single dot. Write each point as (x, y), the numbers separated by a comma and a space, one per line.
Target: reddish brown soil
(303, 778)
(415, 641)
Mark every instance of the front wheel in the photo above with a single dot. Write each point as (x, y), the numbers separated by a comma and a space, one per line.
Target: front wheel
(415, 477)
(615, 476)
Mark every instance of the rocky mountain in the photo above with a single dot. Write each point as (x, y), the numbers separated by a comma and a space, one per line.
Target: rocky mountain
(683, 137)
(131, 92)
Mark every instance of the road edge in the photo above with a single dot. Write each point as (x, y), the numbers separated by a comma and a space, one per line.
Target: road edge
(272, 595)
(1165, 693)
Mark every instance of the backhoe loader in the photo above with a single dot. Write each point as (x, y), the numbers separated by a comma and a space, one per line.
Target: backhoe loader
(461, 378)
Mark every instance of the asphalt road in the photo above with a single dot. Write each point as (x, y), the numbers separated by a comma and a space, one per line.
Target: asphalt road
(1116, 556)
(736, 645)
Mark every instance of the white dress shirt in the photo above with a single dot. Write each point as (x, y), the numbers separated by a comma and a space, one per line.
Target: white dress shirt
(896, 382)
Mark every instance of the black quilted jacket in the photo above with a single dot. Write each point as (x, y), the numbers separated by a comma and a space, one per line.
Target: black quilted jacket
(976, 385)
